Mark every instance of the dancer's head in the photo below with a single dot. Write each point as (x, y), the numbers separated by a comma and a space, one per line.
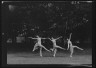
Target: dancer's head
(52, 38)
(37, 36)
(67, 39)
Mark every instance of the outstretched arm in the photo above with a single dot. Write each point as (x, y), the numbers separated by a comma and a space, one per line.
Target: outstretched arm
(49, 38)
(58, 38)
(44, 38)
(32, 38)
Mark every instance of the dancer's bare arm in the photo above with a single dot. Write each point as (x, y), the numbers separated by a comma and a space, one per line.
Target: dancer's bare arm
(44, 38)
(78, 47)
(32, 38)
(49, 38)
(58, 38)
(70, 35)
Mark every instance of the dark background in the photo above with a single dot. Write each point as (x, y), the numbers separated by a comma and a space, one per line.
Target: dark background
(44, 15)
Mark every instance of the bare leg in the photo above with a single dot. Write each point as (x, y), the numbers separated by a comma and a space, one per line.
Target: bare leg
(68, 46)
(61, 47)
(78, 47)
(55, 50)
(71, 50)
(35, 47)
(45, 48)
(41, 51)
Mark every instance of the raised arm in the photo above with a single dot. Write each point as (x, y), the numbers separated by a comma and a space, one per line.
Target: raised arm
(70, 36)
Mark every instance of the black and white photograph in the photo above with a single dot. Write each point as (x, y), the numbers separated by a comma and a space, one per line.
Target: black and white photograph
(47, 32)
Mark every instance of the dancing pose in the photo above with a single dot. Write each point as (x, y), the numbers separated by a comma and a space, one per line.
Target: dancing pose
(71, 46)
(38, 44)
(54, 49)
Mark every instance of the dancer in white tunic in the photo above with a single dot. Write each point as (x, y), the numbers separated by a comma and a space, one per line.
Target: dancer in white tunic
(55, 46)
(71, 46)
(38, 44)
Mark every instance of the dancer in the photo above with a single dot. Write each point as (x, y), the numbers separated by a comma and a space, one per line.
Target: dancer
(54, 49)
(38, 44)
(71, 46)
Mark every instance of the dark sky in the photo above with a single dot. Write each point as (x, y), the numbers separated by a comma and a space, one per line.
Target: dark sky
(50, 17)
